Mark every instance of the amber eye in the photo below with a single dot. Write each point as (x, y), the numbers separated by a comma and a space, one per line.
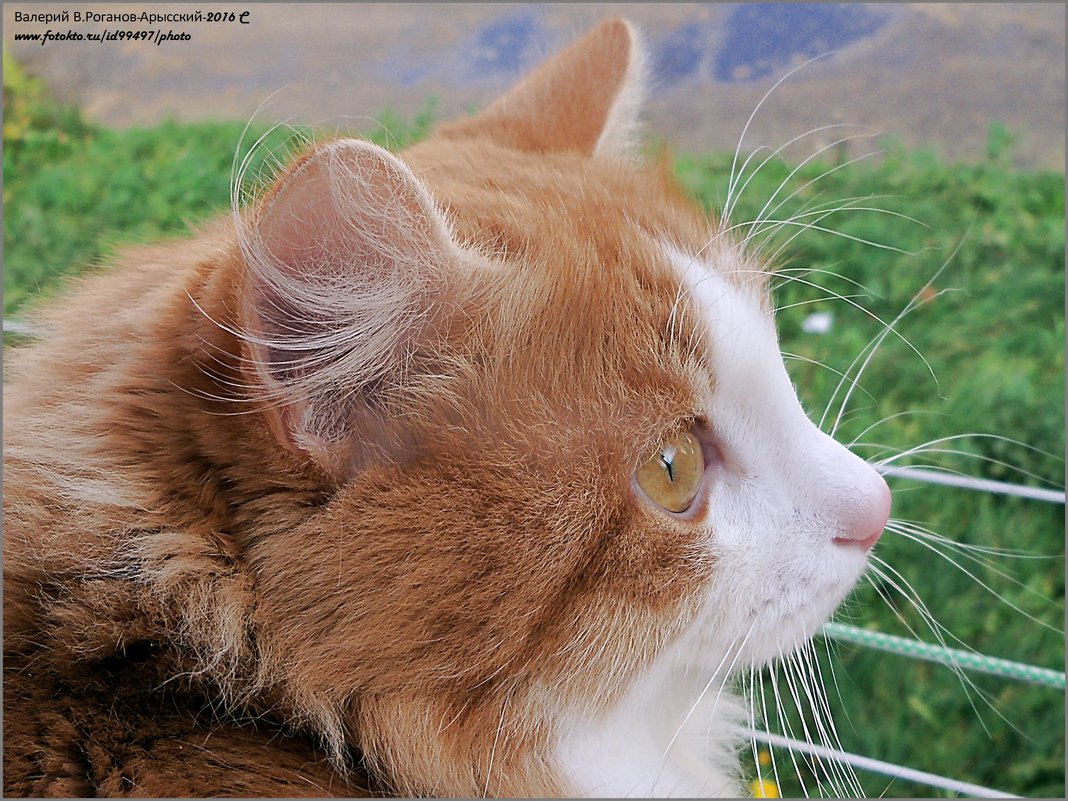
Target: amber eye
(671, 477)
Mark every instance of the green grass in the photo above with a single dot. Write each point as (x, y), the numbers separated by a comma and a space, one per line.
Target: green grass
(991, 333)
(992, 339)
(73, 191)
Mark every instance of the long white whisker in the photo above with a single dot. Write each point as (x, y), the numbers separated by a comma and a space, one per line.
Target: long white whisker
(966, 683)
(768, 209)
(821, 214)
(812, 301)
(788, 356)
(812, 683)
(787, 729)
(785, 273)
(868, 352)
(884, 571)
(820, 228)
(954, 437)
(829, 768)
(770, 228)
(804, 726)
(969, 548)
(903, 531)
(767, 726)
(728, 209)
(745, 129)
(856, 443)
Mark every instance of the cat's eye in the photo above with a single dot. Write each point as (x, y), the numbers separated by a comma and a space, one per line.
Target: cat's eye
(671, 476)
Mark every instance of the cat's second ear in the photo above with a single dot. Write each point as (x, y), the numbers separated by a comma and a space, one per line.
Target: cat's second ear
(584, 99)
(345, 262)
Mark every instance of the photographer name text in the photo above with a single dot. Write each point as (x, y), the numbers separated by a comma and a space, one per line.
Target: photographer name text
(155, 36)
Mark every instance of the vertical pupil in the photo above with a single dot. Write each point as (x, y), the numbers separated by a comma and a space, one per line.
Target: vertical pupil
(667, 459)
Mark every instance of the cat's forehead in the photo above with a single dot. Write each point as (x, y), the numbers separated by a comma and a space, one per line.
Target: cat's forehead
(590, 302)
(564, 212)
(591, 233)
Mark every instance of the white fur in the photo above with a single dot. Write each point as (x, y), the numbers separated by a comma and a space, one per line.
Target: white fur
(619, 136)
(669, 736)
(784, 493)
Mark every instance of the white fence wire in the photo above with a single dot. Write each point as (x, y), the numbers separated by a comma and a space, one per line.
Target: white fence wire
(917, 650)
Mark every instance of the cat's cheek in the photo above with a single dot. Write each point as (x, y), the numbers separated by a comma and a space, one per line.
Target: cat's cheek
(778, 574)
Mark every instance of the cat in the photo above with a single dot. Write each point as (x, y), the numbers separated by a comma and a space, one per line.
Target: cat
(469, 470)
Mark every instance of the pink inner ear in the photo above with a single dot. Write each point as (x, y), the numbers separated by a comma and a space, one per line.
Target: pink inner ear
(341, 262)
(350, 207)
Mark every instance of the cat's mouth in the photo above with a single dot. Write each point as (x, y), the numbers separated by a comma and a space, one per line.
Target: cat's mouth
(865, 523)
(864, 544)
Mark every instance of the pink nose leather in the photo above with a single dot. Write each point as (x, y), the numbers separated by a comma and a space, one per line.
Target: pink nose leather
(867, 526)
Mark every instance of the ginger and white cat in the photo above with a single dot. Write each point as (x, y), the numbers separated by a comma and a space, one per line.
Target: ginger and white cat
(469, 470)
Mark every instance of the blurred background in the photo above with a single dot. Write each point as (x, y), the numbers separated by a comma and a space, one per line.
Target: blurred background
(933, 74)
(932, 242)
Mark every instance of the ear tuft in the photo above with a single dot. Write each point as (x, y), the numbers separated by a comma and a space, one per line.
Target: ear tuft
(344, 260)
(585, 99)
(619, 135)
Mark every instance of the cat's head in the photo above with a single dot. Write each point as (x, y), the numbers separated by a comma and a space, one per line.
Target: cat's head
(563, 450)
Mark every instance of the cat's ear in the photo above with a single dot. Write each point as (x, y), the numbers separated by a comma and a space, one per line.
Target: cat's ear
(584, 99)
(345, 261)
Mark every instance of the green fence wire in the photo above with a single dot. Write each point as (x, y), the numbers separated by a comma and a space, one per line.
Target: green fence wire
(968, 660)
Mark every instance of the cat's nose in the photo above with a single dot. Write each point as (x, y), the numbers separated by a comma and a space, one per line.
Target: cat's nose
(864, 527)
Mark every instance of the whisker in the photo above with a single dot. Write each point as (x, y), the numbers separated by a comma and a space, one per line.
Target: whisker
(804, 727)
(956, 669)
(773, 228)
(883, 570)
(856, 443)
(873, 346)
(1007, 553)
(784, 272)
(729, 207)
(767, 726)
(818, 691)
(745, 129)
(764, 214)
(826, 766)
(903, 531)
(788, 729)
(928, 448)
(812, 301)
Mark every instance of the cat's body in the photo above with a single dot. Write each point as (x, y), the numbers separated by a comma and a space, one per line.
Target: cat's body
(353, 478)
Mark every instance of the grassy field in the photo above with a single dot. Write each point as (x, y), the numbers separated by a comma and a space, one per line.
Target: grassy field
(976, 369)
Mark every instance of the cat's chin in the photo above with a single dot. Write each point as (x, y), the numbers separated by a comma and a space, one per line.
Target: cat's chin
(776, 618)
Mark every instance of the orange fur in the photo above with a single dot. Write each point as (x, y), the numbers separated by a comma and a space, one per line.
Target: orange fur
(222, 562)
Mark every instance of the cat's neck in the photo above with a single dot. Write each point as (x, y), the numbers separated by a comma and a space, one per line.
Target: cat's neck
(637, 748)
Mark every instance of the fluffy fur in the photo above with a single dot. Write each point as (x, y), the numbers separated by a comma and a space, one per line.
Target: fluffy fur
(336, 497)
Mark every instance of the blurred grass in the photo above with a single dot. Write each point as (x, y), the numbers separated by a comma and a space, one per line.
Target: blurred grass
(991, 329)
(73, 190)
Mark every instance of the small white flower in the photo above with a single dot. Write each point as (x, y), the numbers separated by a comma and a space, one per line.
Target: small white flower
(818, 323)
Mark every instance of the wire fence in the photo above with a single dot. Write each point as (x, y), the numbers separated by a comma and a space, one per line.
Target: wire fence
(877, 766)
(978, 484)
(916, 649)
(952, 657)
